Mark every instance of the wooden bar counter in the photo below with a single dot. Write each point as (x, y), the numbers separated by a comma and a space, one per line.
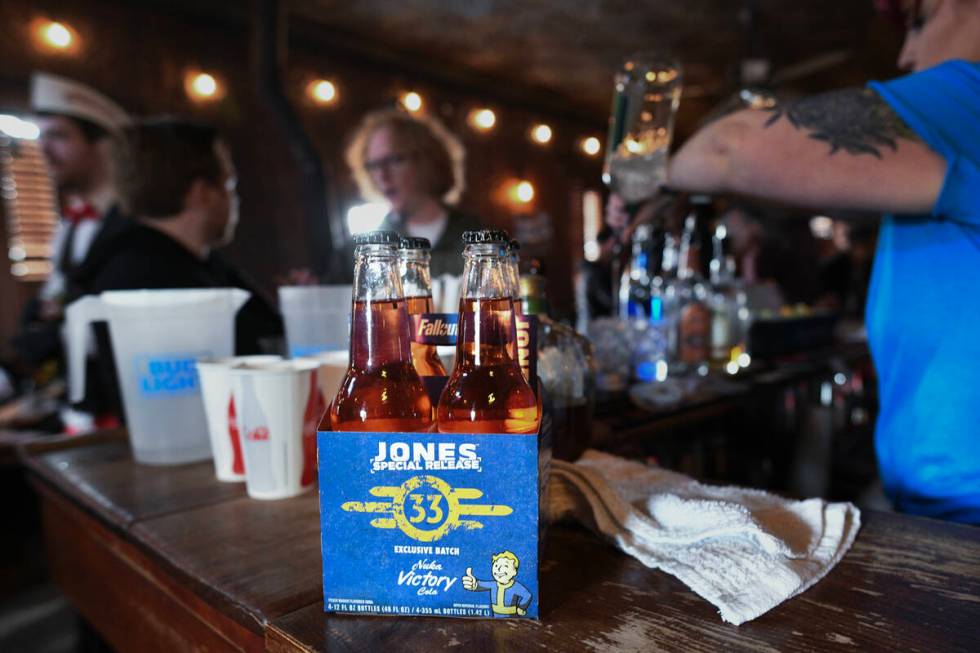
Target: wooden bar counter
(169, 559)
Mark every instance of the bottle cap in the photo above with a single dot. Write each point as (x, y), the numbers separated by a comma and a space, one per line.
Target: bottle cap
(477, 236)
(377, 238)
(515, 245)
(414, 243)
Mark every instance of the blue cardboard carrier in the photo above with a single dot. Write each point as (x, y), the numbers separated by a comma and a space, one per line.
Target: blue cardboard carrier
(430, 524)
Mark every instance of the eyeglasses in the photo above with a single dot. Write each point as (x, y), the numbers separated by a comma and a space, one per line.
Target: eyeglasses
(395, 160)
(917, 18)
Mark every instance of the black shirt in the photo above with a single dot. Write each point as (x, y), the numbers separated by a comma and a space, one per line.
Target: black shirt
(39, 340)
(447, 253)
(139, 257)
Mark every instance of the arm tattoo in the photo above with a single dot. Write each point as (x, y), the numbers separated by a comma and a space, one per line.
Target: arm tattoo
(857, 121)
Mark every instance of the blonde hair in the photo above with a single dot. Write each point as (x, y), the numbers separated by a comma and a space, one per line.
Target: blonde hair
(440, 154)
(509, 556)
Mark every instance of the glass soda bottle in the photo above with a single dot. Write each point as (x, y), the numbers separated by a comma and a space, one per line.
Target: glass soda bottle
(694, 314)
(413, 265)
(382, 391)
(487, 392)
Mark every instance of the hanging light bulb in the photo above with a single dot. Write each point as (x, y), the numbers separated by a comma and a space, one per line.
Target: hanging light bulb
(521, 191)
(322, 91)
(412, 101)
(54, 36)
(57, 35)
(482, 119)
(591, 146)
(202, 87)
(541, 134)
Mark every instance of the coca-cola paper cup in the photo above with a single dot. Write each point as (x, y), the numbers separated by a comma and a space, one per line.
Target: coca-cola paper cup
(279, 406)
(219, 408)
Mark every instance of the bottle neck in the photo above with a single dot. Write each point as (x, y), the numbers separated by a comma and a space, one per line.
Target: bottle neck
(668, 264)
(380, 333)
(722, 271)
(376, 276)
(487, 329)
(722, 262)
(485, 272)
(690, 250)
(413, 266)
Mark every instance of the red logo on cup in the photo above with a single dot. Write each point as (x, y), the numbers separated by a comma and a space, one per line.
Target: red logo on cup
(237, 461)
(260, 433)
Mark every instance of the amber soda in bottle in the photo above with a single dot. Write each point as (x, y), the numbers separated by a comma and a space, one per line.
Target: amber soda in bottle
(413, 265)
(487, 392)
(381, 390)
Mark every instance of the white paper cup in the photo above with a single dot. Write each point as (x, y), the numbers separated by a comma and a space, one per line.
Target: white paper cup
(333, 369)
(219, 408)
(279, 406)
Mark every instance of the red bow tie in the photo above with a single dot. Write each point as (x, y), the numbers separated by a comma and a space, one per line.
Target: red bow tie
(76, 213)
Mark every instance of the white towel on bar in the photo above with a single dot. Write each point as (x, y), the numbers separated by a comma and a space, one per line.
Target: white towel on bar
(745, 551)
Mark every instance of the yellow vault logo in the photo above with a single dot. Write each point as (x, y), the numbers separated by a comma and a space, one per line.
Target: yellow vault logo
(426, 508)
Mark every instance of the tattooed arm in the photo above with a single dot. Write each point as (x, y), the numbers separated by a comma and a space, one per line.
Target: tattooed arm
(845, 149)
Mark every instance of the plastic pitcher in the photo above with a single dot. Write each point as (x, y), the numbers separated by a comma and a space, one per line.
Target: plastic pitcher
(157, 337)
(317, 318)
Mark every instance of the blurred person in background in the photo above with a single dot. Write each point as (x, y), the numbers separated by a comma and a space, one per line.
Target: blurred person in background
(417, 166)
(909, 148)
(177, 181)
(78, 126)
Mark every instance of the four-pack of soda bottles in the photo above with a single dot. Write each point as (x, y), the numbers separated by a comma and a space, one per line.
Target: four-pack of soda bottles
(383, 390)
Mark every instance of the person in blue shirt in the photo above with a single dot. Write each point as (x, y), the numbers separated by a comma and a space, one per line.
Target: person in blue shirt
(908, 148)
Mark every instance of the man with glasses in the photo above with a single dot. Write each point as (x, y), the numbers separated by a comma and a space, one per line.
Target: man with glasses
(177, 180)
(909, 148)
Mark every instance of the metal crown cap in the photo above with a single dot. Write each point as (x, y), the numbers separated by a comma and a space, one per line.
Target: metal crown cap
(478, 236)
(377, 238)
(414, 243)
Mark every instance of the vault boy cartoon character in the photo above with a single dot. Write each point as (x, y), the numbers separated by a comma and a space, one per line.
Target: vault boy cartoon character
(507, 596)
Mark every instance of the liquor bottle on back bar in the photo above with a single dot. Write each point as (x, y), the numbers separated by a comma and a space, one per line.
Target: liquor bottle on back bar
(641, 125)
(694, 316)
(382, 391)
(727, 303)
(634, 288)
(413, 264)
(665, 290)
(565, 368)
(487, 392)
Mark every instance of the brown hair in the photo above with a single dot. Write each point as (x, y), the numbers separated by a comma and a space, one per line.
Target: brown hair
(157, 162)
(440, 153)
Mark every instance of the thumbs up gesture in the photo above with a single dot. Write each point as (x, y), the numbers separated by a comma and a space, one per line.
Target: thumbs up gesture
(469, 580)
